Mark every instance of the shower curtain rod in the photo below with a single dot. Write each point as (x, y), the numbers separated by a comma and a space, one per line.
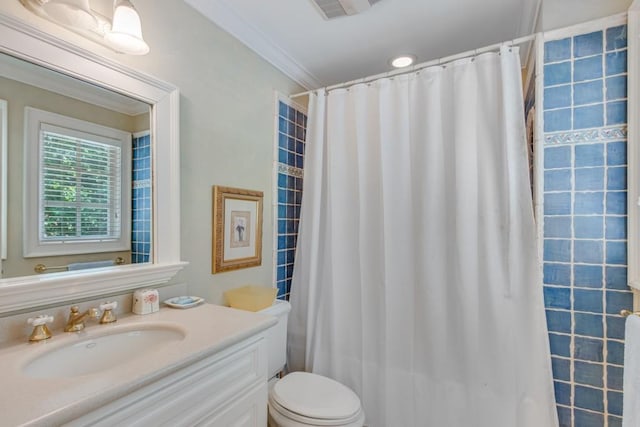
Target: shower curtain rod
(422, 65)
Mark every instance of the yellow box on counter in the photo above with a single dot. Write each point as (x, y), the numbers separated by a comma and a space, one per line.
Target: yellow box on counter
(251, 297)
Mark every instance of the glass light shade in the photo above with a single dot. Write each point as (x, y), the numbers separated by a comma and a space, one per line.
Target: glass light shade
(126, 32)
(72, 13)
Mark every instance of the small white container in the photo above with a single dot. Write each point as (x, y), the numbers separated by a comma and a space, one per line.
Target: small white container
(146, 301)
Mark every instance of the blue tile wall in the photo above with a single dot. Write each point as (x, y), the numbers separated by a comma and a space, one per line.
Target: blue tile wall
(141, 200)
(585, 221)
(292, 127)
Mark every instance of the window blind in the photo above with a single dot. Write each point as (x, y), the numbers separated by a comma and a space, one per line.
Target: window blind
(79, 187)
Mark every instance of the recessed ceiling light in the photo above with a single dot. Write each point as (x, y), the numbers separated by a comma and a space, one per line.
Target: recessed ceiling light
(403, 61)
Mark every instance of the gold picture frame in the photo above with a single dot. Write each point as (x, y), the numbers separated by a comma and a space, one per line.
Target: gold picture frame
(237, 229)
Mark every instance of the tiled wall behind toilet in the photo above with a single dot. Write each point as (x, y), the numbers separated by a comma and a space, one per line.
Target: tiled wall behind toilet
(292, 123)
(584, 222)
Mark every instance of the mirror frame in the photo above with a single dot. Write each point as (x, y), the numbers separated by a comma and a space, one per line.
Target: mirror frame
(26, 42)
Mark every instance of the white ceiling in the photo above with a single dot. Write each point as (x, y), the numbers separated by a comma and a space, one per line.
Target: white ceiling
(293, 36)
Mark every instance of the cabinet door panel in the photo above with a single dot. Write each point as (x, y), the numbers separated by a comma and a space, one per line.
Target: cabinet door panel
(248, 411)
(192, 394)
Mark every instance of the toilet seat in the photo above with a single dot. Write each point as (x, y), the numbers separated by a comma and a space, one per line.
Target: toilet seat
(314, 400)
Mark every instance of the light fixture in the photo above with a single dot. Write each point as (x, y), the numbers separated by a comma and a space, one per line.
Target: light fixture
(126, 31)
(73, 13)
(402, 61)
(123, 34)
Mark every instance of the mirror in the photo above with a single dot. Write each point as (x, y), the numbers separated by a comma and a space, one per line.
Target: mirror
(26, 85)
(23, 41)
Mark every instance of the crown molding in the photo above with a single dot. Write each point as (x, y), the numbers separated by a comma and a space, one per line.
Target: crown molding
(226, 18)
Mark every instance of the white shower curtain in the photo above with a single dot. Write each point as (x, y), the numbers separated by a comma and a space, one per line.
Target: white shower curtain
(416, 280)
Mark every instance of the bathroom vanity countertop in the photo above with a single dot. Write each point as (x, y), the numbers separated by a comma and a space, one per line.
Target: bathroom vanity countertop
(25, 400)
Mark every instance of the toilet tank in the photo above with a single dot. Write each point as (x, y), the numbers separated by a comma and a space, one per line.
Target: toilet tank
(276, 336)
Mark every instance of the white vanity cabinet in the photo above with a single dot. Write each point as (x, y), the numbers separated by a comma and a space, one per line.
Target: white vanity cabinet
(223, 390)
(210, 369)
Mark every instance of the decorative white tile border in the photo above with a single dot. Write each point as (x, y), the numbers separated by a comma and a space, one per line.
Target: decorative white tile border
(588, 135)
(290, 170)
(141, 183)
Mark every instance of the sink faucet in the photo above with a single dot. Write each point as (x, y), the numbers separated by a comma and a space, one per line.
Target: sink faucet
(76, 319)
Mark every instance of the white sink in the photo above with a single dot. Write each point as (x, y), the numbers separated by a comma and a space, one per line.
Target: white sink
(93, 354)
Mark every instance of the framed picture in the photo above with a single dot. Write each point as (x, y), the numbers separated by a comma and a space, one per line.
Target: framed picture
(237, 229)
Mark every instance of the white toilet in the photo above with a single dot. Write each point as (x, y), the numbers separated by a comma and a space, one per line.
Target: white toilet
(301, 399)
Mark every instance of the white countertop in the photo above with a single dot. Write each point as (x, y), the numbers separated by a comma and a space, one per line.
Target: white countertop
(50, 401)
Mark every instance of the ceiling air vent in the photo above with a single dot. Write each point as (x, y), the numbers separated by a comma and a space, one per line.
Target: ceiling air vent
(331, 9)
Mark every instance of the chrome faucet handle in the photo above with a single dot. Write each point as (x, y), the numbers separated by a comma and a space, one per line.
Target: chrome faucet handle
(108, 316)
(40, 330)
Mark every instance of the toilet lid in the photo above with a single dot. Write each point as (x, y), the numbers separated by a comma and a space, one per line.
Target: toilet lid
(315, 396)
